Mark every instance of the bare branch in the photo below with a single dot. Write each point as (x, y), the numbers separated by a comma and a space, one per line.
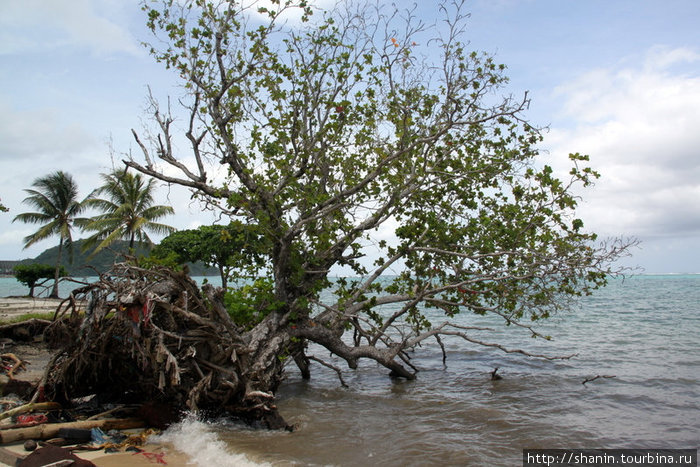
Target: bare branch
(588, 380)
(332, 367)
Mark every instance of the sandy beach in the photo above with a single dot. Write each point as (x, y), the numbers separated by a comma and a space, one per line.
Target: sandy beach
(151, 454)
(11, 307)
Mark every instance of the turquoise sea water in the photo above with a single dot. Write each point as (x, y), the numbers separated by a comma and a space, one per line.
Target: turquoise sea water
(643, 332)
(10, 287)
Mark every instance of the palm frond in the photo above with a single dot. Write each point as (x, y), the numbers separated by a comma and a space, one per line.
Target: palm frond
(55, 197)
(32, 217)
(127, 210)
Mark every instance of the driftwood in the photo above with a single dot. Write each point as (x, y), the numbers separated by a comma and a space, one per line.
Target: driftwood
(50, 430)
(37, 406)
(154, 336)
(17, 364)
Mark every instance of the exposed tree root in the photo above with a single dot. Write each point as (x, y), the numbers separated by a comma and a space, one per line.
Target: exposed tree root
(154, 336)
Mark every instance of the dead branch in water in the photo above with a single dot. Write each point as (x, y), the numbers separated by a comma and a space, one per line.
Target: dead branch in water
(588, 380)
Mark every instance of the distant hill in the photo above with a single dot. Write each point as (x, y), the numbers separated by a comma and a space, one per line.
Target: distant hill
(103, 260)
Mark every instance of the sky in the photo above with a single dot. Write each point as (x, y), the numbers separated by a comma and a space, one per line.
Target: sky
(618, 80)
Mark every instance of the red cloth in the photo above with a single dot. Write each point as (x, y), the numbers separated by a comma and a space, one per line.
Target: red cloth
(32, 419)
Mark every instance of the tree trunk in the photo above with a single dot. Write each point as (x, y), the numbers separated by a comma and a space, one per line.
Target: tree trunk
(222, 273)
(54, 291)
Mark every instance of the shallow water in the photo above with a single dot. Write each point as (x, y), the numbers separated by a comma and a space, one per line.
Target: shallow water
(643, 331)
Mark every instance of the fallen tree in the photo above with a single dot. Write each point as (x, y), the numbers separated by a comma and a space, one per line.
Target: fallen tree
(153, 335)
(360, 141)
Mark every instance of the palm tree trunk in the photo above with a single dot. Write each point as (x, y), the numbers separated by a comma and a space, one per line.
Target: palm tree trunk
(54, 292)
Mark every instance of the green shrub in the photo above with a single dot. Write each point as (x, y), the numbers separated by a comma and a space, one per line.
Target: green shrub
(249, 304)
(31, 274)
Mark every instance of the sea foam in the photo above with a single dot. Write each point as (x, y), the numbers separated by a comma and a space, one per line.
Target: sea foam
(199, 441)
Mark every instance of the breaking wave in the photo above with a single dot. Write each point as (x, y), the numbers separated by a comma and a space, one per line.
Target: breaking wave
(200, 442)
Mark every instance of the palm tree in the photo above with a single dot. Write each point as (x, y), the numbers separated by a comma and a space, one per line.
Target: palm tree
(127, 211)
(56, 199)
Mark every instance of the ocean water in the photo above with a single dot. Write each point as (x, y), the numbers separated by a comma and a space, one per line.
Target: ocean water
(644, 332)
(640, 335)
(10, 287)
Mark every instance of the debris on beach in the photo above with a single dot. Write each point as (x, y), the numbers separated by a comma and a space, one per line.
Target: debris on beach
(54, 456)
(38, 431)
(133, 351)
(10, 363)
(52, 434)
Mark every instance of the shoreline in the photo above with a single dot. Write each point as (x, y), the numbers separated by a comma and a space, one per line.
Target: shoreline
(12, 307)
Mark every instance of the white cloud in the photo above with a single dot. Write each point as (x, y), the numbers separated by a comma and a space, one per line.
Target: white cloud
(660, 58)
(34, 143)
(640, 127)
(39, 132)
(10, 236)
(40, 25)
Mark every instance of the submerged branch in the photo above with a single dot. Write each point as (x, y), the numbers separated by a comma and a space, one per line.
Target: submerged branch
(331, 366)
(588, 380)
(505, 349)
